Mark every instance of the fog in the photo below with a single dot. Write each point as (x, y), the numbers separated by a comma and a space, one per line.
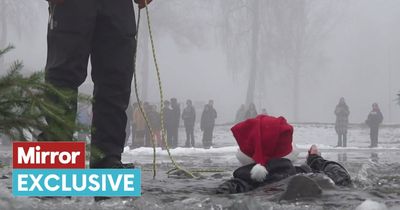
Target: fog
(356, 56)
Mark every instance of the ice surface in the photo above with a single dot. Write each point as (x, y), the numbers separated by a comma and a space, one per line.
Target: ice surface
(376, 175)
(371, 205)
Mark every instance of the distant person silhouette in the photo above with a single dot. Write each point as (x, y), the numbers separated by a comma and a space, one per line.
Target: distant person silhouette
(374, 119)
(342, 121)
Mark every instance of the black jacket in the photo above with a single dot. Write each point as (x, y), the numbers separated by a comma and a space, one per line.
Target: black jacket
(176, 115)
(208, 118)
(374, 119)
(281, 168)
(168, 118)
(189, 116)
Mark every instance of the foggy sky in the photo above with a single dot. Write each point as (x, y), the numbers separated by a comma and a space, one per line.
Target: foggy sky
(359, 61)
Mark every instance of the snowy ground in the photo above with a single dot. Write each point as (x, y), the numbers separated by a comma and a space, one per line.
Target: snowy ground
(376, 174)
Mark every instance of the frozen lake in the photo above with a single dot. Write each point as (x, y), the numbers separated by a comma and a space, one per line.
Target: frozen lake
(376, 175)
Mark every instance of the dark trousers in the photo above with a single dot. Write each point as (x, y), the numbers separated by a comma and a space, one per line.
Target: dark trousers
(189, 136)
(140, 136)
(374, 131)
(342, 140)
(103, 30)
(174, 137)
(207, 137)
(170, 132)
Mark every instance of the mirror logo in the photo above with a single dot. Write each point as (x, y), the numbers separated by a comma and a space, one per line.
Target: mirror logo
(58, 169)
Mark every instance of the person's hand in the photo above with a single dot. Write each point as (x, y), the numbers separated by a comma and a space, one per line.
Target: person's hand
(314, 150)
(142, 3)
(56, 1)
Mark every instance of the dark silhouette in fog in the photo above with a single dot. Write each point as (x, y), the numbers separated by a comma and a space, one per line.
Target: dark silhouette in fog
(374, 119)
(207, 123)
(342, 121)
(189, 118)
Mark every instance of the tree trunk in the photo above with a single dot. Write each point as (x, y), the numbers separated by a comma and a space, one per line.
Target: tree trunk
(254, 52)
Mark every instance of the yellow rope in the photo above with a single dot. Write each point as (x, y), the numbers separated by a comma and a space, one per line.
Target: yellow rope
(161, 94)
(139, 102)
(163, 133)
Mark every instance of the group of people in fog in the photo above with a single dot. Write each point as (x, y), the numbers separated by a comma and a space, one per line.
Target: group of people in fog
(342, 112)
(138, 133)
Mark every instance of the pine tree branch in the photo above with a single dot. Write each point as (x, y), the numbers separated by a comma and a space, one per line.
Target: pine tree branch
(24, 104)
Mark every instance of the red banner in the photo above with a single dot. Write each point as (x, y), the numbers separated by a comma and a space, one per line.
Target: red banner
(49, 154)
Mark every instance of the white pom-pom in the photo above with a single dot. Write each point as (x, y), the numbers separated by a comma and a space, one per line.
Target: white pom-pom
(258, 173)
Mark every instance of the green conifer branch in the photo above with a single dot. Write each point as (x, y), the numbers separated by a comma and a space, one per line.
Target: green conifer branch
(24, 108)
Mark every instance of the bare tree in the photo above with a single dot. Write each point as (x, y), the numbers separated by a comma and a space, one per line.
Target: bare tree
(182, 20)
(300, 26)
(260, 36)
(240, 30)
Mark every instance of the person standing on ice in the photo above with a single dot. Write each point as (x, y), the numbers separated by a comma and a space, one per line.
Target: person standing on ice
(266, 152)
(155, 122)
(342, 121)
(176, 116)
(374, 119)
(105, 31)
(132, 126)
(168, 123)
(207, 123)
(189, 118)
(140, 127)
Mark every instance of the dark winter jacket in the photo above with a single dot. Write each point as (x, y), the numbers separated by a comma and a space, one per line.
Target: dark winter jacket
(208, 118)
(176, 115)
(281, 168)
(154, 119)
(189, 116)
(168, 118)
(375, 118)
(342, 118)
(333, 170)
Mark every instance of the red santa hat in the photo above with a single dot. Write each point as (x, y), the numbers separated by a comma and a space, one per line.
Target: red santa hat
(263, 138)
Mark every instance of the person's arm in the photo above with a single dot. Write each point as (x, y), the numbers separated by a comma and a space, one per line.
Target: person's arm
(244, 174)
(380, 117)
(347, 111)
(184, 114)
(234, 185)
(368, 120)
(240, 183)
(194, 115)
(202, 121)
(336, 111)
(332, 169)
